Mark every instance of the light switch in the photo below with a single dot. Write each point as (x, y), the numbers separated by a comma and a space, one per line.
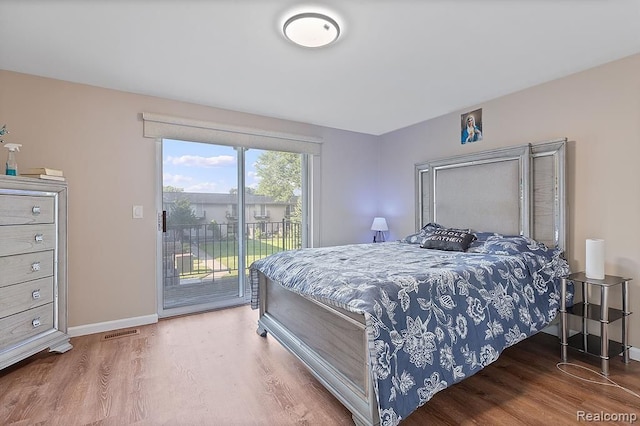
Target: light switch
(137, 212)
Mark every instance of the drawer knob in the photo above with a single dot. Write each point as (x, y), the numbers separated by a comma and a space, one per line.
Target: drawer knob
(35, 266)
(35, 210)
(36, 294)
(36, 322)
(39, 238)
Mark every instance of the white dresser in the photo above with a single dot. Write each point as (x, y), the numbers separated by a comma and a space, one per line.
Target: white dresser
(33, 268)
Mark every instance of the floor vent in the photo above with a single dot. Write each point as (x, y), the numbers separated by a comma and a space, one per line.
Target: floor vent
(120, 333)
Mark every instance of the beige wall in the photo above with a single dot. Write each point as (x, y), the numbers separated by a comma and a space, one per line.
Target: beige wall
(598, 111)
(95, 136)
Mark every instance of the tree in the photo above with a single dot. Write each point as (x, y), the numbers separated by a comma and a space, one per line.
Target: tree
(214, 227)
(280, 175)
(296, 215)
(181, 213)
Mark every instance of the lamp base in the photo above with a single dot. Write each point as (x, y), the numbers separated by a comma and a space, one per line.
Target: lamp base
(378, 237)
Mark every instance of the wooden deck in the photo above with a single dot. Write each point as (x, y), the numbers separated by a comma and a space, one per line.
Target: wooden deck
(207, 290)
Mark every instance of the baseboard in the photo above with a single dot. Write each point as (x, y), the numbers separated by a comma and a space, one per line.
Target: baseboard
(554, 329)
(101, 327)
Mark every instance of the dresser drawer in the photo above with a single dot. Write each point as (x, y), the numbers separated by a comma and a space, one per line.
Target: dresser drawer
(26, 209)
(26, 238)
(21, 326)
(25, 267)
(24, 296)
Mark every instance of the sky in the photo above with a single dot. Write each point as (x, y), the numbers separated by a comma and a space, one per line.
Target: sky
(203, 167)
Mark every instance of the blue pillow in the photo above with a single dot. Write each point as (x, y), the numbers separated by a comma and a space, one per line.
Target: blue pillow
(534, 253)
(512, 245)
(477, 244)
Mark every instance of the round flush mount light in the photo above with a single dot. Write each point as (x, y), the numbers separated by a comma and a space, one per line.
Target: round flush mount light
(311, 29)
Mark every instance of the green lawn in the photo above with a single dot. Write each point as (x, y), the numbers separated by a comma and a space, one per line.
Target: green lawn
(226, 251)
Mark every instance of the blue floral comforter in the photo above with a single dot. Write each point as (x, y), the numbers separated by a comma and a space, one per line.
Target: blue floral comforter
(433, 317)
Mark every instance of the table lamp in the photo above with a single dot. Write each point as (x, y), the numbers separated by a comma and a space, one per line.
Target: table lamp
(379, 225)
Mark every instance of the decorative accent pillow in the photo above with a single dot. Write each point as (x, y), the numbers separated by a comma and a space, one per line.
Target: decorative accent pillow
(417, 238)
(430, 227)
(448, 239)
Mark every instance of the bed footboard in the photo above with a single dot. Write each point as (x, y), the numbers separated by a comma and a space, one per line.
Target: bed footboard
(330, 342)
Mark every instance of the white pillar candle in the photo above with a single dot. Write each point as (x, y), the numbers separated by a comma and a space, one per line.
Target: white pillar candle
(595, 259)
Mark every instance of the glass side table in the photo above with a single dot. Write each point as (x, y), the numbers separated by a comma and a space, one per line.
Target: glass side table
(601, 345)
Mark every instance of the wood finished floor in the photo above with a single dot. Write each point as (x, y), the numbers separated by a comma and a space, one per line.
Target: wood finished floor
(213, 369)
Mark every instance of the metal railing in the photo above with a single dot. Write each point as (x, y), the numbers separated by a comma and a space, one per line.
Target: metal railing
(210, 251)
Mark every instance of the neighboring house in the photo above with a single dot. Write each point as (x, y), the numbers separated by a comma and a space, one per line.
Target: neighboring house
(261, 212)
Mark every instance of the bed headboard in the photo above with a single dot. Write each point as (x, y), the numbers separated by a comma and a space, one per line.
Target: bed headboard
(519, 190)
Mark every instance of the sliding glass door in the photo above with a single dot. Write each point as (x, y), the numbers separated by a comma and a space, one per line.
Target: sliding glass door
(223, 207)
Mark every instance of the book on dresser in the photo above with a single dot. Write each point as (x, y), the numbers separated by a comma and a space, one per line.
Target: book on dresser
(44, 171)
(42, 176)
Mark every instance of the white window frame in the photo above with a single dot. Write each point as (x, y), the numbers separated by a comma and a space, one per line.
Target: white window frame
(160, 126)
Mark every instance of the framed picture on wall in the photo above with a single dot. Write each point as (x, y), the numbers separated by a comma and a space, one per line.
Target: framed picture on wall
(471, 126)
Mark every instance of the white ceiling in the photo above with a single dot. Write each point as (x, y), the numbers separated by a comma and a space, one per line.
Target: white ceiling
(398, 62)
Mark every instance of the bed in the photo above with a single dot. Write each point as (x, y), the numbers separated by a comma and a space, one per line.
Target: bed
(385, 326)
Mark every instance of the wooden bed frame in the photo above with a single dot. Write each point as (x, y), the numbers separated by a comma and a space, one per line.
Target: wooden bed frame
(332, 342)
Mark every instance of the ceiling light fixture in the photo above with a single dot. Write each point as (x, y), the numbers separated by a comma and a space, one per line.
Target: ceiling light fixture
(311, 29)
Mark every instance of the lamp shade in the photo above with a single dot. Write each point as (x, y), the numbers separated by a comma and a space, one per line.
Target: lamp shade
(379, 224)
(595, 259)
